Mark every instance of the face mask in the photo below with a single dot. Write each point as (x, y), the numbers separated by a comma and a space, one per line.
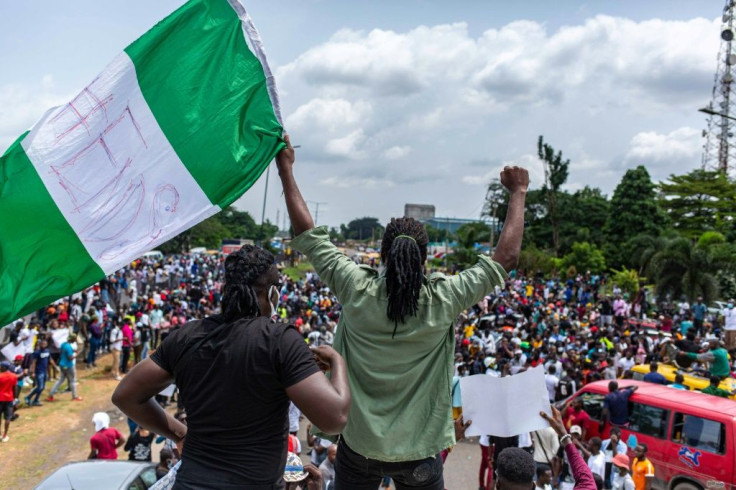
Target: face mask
(271, 292)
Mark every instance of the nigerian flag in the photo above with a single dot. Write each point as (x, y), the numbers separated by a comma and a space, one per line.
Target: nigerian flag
(176, 127)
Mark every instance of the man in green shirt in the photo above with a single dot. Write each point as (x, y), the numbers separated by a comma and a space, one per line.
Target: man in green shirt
(713, 388)
(396, 336)
(717, 357)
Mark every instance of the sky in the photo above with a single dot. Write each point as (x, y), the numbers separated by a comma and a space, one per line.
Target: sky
(420, 101)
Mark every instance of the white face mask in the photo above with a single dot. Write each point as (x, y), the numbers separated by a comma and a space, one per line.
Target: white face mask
(272, 290)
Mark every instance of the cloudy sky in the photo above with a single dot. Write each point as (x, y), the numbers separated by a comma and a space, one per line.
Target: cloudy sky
(421, 101)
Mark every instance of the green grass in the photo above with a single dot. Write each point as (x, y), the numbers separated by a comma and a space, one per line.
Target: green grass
(298, 272)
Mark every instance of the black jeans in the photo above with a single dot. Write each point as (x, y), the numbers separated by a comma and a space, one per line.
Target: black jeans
(355, 472)
(124, 360)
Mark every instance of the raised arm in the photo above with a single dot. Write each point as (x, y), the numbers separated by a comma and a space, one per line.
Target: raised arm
(516, 180)
(301, 218)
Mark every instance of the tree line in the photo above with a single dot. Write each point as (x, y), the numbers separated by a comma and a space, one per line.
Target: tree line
(678, 235)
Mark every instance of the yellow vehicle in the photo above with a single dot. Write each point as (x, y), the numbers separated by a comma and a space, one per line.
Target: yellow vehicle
(691, 381)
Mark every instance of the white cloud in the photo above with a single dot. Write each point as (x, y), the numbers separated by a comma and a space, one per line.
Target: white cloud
(22, 105)
(397, 152)
(328, 114)
(654, 147)
(347, 146)
(358, 182)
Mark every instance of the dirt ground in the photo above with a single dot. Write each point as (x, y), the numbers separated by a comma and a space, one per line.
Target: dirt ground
(45, 438)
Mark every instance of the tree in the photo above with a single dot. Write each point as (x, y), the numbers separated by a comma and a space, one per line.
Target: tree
(495, 206)
(634, 211)
(582, 217)
(627, 280)
(364, 228)
(436, 234)
(585, 257)
(533, 260)
(465, 255)
(555, 175)
(699, 201)
(684, 269)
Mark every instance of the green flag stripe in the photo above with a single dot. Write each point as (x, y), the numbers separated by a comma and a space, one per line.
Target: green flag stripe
(41, 258)
(210, 97)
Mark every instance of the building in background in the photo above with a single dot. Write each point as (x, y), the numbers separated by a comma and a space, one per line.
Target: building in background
(420, 212)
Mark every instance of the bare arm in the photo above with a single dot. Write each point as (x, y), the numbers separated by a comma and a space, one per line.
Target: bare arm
(325, 402)
(120, 442)
(301, 218)
(516, 180)
(134, 397)
(92, 454)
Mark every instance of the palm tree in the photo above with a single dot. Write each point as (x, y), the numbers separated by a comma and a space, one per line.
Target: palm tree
(681, 268)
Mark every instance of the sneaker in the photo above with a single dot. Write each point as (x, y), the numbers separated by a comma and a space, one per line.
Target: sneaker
(77, 399)
(14, 417)
(118, 378)
(5, 439)
(37, 404)
(27, 400)
(50, 398)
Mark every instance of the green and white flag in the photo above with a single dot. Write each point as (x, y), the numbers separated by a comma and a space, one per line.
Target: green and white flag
(177, 127)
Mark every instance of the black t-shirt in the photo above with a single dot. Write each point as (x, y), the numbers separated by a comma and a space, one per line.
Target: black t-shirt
(232, 379)
(139, 447)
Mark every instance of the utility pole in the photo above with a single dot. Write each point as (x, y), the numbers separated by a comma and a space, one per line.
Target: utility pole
(316, 211)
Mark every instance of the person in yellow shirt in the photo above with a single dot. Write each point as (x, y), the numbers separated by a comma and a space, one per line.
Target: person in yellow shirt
(642, 470)
(469, 330)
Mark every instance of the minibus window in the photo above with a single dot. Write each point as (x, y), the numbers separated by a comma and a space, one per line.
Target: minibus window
(648, 420)
(593, 404)
(699, 433)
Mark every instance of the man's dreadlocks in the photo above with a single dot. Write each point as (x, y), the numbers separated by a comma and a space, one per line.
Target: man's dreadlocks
(403, 252)
(243, 269)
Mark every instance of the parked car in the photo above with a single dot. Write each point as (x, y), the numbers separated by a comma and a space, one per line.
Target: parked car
(98, 474)
(691, 436)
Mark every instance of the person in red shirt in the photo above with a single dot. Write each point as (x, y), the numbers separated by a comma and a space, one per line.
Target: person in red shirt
(8, 382)
(106, 439)
(575, 415)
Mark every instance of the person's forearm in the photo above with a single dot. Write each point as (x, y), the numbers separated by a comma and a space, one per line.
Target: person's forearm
(151, 416)
(509, 243)
(301, 218)
(580, 472)
(339, 381)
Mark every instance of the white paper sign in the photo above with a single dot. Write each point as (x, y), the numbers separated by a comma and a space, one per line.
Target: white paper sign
(59, 336)
(507, 406)
(11, 350)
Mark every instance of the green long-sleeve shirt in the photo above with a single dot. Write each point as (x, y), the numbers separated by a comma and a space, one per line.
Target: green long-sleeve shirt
(401, 406)
(718, 359)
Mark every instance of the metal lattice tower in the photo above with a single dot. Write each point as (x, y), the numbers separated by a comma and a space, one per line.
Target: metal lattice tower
(719, 149)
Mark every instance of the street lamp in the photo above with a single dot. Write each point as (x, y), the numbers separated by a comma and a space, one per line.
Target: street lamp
(711, 112)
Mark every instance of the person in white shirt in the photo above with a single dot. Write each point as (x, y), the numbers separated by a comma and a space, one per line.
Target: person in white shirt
(116, 346)
(624, 481)
(625, 363)
(551, 380)
(596, 458)
(729, 317)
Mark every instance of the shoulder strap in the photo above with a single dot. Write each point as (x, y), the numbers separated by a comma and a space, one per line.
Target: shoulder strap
(454, 386)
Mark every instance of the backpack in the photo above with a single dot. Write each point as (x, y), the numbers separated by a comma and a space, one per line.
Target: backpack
(564, 389)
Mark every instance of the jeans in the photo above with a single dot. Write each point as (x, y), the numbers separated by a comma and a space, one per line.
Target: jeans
(144, 350)
(40, 386)
(124, 361)
(94, 344)
(355, 472)
(69, 374)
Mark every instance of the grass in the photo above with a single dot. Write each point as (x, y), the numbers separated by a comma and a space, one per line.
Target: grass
(299, 271)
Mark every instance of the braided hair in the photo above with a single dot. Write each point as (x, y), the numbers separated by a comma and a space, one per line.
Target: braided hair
(403, 251)
(243, 269)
